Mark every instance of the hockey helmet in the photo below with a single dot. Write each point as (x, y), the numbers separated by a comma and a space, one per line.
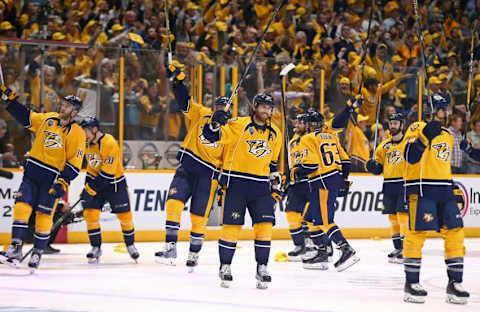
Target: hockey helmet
(396, 116)
(302, 118)
(90, 122)
(74, 100)
(315, 118)
(221, 101)
(262, 98)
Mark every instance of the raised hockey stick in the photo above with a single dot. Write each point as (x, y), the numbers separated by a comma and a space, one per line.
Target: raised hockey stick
(470, 76)
(378, 115)
(167, 24)
(283, 76)
(254, 55)
(422, 49)
(57, 225)
(1, 75)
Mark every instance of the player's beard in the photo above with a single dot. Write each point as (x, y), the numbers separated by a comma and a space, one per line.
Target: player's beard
(394, 132)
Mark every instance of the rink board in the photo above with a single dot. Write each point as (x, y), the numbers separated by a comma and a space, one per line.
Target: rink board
(359, 214)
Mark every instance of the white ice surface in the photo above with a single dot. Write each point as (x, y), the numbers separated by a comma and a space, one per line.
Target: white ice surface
(65, 282)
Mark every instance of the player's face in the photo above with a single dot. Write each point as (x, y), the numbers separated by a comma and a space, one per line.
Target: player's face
(89, 134)
(395, 127)
(300, 127)
(263, 112)
(65, 110)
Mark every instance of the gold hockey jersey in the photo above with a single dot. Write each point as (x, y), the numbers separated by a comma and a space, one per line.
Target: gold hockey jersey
(251, 152)
(103, 159)
(197, 153)
(390, 155)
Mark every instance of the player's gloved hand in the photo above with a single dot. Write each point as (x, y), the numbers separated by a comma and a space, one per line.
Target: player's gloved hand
(373, 166)
(294, 175)
(276, 178)
(174, 74)
(58, 188)
(220, 118)
(277, 195)
(432, 130)
(343, 191)
(10, 95)
(220, 194)
(466, 146)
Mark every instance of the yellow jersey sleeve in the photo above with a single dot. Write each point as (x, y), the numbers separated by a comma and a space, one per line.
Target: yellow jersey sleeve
(195, 111)
(380, 153)
(36, 120)
(75, 149)
(110, 155)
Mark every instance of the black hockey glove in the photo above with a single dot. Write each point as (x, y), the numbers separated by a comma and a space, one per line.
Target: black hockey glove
(373, 167)
(8, 92)
(58, 188)
(277, 195)
(432, 130)
(344, 189)
(220, 118)
(175, 75)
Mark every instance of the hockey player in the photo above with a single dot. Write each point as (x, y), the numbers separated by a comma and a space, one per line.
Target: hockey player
(251, 152)
(432, 207)
(389, 161)
(55, 160)
(104, 183)
(297, 194)
(327, 175)
(195, 179)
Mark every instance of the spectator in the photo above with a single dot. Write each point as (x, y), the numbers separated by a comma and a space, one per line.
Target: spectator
(7, 157)
(150, 112)
(455, 127)
(473, 136)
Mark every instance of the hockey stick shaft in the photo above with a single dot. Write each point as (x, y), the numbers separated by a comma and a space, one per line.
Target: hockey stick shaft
(470, 67)
(379, 103)
(55, 227)
(254, 55)
(422, 49)
(167, 24)
(1, 75)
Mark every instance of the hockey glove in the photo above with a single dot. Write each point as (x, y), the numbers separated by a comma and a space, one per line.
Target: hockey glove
(4, 90)
(466, 146)
(374, 167)
(58, 188)
(432, 130)
(88, 194)
(344, 189)
(175, 74)
(277, 195)
(275, 178)
(220, 118)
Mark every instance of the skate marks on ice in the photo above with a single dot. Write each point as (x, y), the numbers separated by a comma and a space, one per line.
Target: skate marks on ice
(30, 309)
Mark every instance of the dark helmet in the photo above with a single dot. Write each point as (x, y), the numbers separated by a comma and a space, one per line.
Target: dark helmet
(90, 122)
(74, 100)
(396, 116)
(302, 118)
(315, 118)
(221, 101)
(262, 98)
(439, 100)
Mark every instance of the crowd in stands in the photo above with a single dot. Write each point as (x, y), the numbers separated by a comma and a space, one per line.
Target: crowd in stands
(315, 35)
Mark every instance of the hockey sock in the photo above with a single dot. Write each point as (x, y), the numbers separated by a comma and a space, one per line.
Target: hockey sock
(126, 222)
(21, 214)
(306, 232)
(455, 269)
(294, 220)
(318, 236)
(228, 242)
(397, 241)
(43, 225)
(197, 234)
(172, 225)
(92, 216)
(335, 235)
(196, 241)
(412, 269)
(263, 236)
(403, 222)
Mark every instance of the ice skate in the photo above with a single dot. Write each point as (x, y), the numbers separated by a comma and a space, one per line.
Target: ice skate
(347, 258)
(262, 276)
(133, 252)
(456, 294)
(35, 258)
(168, 255)
(225, 274)
(94, 255)
(12, 256)
(329, 249)
(319, 261)
(395, 256)
(414, 293)
(192, 261)
(296, 254)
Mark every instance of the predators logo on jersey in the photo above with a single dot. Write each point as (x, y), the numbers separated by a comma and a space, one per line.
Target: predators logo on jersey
(52, 139)
(94, 160)
(299, 155)
(205, 141)
(259, 148)
(394, 157)
(443, 151)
